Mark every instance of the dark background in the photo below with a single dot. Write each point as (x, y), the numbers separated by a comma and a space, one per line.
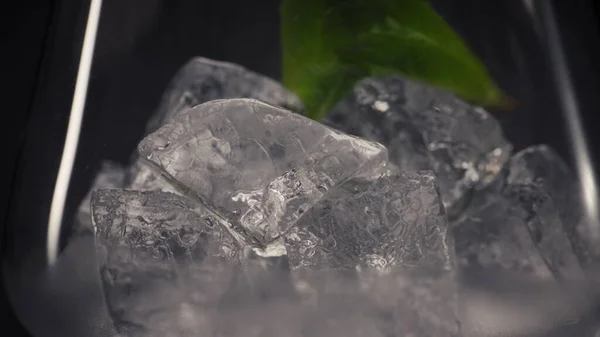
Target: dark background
(141, 43)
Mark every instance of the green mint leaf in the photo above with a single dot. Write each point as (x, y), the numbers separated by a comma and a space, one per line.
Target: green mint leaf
(328, 45)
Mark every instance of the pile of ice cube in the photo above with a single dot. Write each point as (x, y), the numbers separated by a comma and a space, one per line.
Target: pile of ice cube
(240, 217)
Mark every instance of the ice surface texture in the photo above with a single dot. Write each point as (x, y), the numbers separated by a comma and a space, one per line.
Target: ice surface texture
(112, 175)
(394, 220)
(257, 165)
(426, 128)
(202, 80)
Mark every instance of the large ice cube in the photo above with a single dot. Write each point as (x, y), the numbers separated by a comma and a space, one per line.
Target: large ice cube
(426, 128)
(199, 81)
(111, 175)
(393, 231)
(396, 220)
(202, 80)
(257, 165)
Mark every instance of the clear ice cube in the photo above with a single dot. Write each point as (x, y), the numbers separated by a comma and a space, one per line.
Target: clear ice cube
(202, 80)
(426, 128)
(395, 220)
(257, 165)
(199, 81)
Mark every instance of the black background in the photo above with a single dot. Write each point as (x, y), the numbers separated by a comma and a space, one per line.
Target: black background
(141, 43)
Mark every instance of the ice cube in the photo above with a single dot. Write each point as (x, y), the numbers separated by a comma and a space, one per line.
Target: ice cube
(393, 233)
(202, 80)
(517, 224)
(111, 175)
(426, 128)
(396, 220)
(495, 236)
(542, 167)
(546, 229)
(259, 166)
(157, 251)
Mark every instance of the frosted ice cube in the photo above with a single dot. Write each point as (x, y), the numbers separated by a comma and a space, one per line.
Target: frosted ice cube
(396, 220)
(388, 237)
(426, 128)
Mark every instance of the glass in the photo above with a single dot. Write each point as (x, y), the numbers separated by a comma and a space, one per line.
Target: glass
(138, 50)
